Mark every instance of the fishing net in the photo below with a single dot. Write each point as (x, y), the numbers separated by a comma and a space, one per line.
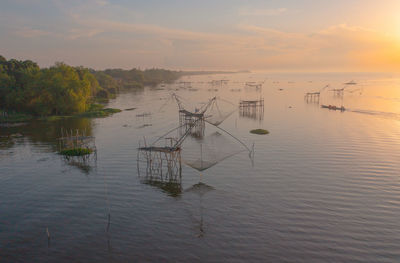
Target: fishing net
(206, 152)
(219, 110)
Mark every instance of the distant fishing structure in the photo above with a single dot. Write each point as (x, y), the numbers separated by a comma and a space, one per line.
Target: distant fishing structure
(185, 84)
(340, 92)
(219, 82)
(253, 109)
(253, 85)
(313, 97)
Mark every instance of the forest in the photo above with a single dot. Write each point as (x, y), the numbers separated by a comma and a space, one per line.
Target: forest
(63, 90)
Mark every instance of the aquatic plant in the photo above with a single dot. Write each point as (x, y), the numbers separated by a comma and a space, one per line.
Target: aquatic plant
(259, 131)
(76, 152)
(99, 113)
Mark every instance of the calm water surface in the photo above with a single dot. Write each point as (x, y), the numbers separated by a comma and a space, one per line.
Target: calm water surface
(324, 185)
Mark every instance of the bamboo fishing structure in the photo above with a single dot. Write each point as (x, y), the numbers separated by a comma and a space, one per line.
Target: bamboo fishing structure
(253, 85)
(312, 97)
(162, 165)
(253, 109)
(75, 140)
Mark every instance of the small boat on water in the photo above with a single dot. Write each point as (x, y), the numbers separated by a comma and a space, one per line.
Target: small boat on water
(351, 83)
(333, 107)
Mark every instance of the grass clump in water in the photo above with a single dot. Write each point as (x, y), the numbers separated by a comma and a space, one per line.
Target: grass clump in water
(259, 131)
(14, 117)
(99, 113)
(76, 152)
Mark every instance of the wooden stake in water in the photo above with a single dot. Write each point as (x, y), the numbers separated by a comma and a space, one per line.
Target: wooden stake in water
(48, 236)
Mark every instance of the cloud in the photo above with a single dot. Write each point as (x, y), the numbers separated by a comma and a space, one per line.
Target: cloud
(108, 42)
(76, 33)
(101, 2)
(340, 47)
(31, 33)
(262, 12)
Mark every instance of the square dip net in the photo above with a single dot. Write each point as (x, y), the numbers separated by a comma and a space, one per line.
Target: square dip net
(202, 154)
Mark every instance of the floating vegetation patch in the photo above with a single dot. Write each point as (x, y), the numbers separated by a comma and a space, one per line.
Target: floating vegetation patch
(76, 152)
(259, 131)
(99, 113)
(130, 109)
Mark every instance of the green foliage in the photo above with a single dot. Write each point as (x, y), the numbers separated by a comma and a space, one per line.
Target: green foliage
(156, 76)
(259, 131)
(109, 84)
(57, 90)
(66, 90)
(76, 152)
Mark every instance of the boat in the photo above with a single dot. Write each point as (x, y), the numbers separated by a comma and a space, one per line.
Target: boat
(333, 107)
(351, 83)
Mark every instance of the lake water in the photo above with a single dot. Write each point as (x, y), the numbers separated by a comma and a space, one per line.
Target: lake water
(324, 186)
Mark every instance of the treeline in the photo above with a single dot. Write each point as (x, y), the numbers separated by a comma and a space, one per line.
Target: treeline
(62, 89)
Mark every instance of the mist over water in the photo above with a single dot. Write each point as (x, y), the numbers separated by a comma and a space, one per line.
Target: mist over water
(324, 184)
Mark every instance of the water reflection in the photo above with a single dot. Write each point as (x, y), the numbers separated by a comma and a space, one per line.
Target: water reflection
(85, 165)
(171, 187)
(45, 134)
(200, 189)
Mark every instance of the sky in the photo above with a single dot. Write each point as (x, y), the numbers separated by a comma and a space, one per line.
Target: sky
(285, 35)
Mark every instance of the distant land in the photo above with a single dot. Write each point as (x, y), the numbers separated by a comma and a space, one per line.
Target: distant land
(28, 91)
(204, 72)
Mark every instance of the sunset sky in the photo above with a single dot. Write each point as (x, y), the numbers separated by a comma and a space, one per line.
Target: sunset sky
(308, 35)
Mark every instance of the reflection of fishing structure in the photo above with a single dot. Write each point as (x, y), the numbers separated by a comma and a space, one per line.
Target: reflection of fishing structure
(200, 189)
(252, 113)
(253, 109)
